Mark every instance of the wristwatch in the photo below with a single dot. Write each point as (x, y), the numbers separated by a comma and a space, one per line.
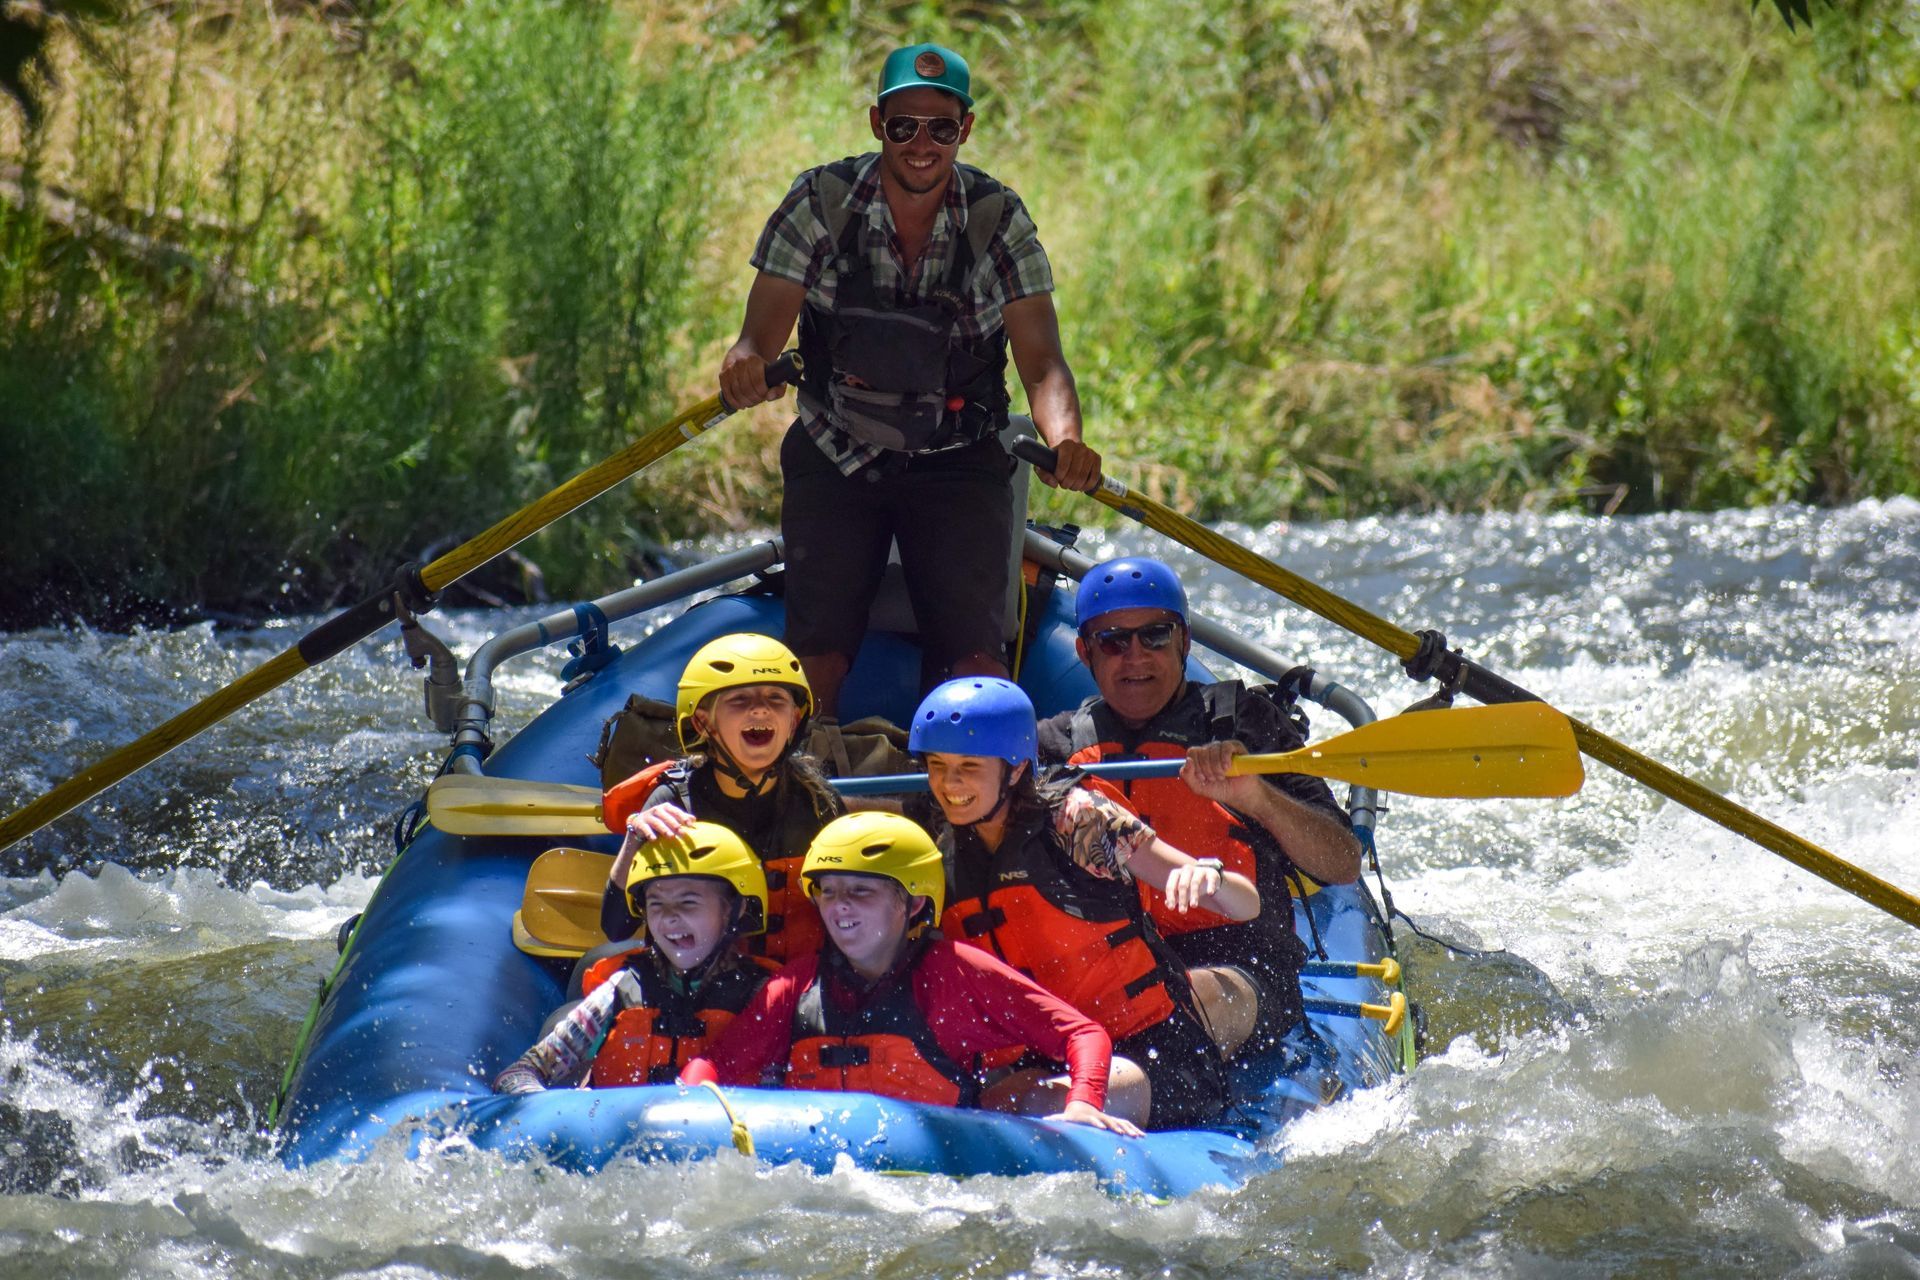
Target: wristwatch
(1215, 863)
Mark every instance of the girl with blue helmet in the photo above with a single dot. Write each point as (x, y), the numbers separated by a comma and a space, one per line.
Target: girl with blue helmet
(1044, 877)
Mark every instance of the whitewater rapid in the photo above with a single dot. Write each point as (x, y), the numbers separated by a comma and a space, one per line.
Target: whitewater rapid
(1722, 1078)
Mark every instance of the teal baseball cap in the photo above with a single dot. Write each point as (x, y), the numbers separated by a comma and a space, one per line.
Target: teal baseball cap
(932, 65)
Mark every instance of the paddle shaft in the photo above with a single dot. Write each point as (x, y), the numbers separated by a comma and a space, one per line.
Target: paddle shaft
(357, 623)
(1485, 686)
(1468, 752)
(1117, 770)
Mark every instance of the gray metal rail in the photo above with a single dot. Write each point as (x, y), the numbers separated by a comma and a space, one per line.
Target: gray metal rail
(476, 691)
(476, 698)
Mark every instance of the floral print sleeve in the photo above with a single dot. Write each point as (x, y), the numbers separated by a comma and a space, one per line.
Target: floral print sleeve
(1100, 835)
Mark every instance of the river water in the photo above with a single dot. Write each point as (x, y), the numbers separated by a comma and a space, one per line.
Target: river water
(1686, 1058)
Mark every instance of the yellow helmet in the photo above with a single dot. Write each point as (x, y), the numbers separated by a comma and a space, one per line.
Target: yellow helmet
(702, 849)
(733, 662)
(879, 844)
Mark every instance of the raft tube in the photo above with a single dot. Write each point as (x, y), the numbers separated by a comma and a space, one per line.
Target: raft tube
(431, 998)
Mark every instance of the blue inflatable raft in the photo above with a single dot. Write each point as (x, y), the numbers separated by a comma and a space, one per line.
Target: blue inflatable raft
(431, 997)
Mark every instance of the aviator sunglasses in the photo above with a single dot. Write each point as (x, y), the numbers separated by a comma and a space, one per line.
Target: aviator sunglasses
(900, 130)
(1114, 641)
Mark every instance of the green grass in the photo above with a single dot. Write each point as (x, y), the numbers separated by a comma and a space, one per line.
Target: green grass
(1313, 259)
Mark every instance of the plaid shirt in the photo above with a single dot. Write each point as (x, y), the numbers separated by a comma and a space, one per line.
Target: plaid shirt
(795, 246)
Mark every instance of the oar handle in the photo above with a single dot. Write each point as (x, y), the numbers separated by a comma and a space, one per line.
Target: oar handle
(784, 372)
(1027, 449)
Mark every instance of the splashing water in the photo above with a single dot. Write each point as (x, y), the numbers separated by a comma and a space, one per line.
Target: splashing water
(1691, 1058)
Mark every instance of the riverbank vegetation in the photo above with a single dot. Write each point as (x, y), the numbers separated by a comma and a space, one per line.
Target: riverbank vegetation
(290, 293)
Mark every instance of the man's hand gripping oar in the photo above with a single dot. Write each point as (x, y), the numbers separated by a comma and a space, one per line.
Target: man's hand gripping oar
(1485, 686)
(414, 589)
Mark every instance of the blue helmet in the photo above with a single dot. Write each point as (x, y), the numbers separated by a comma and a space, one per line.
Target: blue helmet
(1131, 582)
(976, 716)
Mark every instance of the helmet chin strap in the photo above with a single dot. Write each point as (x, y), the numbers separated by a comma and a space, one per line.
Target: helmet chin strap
(698, 974)
(1006, 796)
(726, 765)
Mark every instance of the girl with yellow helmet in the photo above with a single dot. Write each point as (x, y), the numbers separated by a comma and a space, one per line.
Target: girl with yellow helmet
(891, 1007)
(742, 703)
(649, 1010)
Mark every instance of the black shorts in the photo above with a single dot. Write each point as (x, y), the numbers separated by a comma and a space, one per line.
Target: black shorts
(1273, 970)
(952, 514)
(1183, 1066)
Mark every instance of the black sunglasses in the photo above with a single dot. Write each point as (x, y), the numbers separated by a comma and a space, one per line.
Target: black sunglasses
(1113, 641)
(900, 130)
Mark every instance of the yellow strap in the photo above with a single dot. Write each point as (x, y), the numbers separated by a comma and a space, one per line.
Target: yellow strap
(742, 1140)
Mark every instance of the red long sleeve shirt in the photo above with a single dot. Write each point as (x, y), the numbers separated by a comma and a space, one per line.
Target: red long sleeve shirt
(972, 1002)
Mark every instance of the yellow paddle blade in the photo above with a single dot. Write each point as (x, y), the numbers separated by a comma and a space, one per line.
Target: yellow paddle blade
(559, 911)
(467, 805)
(1517, 749)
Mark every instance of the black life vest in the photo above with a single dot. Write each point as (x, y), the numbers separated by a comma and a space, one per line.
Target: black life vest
(926, 386)
(882, 1045)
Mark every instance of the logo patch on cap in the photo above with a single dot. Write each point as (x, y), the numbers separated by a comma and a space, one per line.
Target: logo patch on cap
(929, 65)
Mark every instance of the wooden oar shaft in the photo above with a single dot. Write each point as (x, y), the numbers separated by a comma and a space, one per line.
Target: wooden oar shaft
(1798, 850)
(689, 424)
(1488, 687)
(362, 620)
(1230, 554)
(147, 748)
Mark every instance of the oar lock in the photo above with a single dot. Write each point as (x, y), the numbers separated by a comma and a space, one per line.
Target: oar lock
(1434, 658)
(410, 598)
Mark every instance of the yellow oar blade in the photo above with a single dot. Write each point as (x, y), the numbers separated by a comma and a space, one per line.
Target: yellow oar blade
(1405, 645)
(560, 909)
(465, 805)
(1519, 749)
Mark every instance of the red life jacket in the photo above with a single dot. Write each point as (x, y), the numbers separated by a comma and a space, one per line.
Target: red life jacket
(1085, 939)
(648, 1043)
(793, 923)
(882, 1045)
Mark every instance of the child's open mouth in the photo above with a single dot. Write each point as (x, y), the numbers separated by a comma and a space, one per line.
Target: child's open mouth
(757, 736)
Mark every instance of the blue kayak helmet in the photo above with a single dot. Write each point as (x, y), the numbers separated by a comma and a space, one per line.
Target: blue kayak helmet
(977, 716)
(1131, 582)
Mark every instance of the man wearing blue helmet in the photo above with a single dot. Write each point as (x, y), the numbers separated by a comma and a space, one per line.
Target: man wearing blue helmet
(912, 277)
(1044, 877)
(1132, 614)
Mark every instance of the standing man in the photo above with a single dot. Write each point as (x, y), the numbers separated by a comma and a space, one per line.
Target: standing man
(1132, 615)
(912, 277)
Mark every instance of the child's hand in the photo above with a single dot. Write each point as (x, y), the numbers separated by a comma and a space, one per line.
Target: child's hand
(1189, 886)
(658, 822)
(1088, 1114)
